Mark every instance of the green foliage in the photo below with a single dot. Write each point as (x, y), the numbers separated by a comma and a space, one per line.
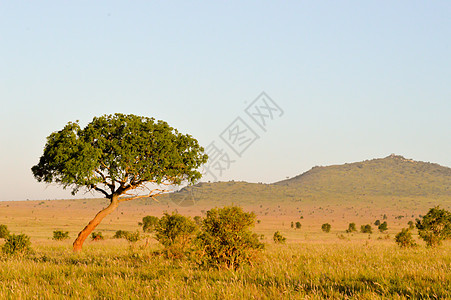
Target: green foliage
(377, 223)
(119, 152)
(121, 234)
(404, 239)
(279, 238)
(59, 235)
(298, 225)
(351, 228)
(132, 237)
(4, 232)
(326, 227)
(366, 229)
(97, 236)
(226, 239)
(175, 232)
(411, 225)
(17, 244)
(435, 226)
(149, 223)
(383, 227)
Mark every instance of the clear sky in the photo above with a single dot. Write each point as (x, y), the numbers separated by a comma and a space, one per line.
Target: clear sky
(356, 80)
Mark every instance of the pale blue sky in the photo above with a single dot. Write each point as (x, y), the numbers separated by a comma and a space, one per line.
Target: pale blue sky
(356, 79)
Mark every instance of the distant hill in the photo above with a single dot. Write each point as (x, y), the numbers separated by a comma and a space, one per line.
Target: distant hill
(383, 178)
(393, 175)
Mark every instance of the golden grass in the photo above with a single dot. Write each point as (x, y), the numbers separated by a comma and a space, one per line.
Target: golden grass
(312, 265)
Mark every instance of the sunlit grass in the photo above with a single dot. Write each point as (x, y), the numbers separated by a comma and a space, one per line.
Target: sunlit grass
(341, 269)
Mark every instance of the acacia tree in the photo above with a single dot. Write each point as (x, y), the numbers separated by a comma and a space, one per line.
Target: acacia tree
(119, 156)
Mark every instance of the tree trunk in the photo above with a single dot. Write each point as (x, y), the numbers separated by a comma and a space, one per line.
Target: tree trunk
(78, 243)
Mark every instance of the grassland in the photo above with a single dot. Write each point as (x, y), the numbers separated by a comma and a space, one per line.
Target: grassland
(312, 265)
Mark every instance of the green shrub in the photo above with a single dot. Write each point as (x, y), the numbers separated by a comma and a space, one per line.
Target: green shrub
(326, 227)
(148, 223)
(435, 226)
(59, 235)
(411, 225)
(132, 237)
(121, 234)
(351, 228)
(404, 239)
(377, 223)
(16, 244)
(175, 232)
(298, 225)
(279, 238)
(226, 239)
(366, 229)
(383, 227)
(4, 232)
(97, 236)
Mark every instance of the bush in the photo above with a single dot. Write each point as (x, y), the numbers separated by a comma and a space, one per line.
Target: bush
(351, 228)
(226, 239)
(298, 225)
(279, 238)
(404, 239)
(4, 232)
(366, 228)
(326, 227)
(96, 236)
(121, 234)
(383, 227)
(377, 223)
(435, 226)
(148, 223)
(16, 244)
(175, 232)
(59, 235)
(411, 225)
(132, 237)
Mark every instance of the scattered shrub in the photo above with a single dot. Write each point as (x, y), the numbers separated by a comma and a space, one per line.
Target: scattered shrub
(326, 227)
(298, 225)
(148, 223)
(279, 238)
(404, 239)
(366, 228)
(132, 237)
(59, 235)
(121, 234)
(226, 239)
(383, 227)
(351, 228)
(97, 236)
(292, 224)
(4, 232)
(411, 225)
(175, 232)
(377, 223)
(16, 244)
(435, 226)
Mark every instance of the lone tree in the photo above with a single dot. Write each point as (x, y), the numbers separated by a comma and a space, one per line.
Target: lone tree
(119, 156)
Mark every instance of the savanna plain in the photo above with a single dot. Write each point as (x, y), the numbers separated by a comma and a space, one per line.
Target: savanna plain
(311, 264)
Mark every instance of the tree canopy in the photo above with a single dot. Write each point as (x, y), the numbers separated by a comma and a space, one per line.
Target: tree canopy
(119, 156)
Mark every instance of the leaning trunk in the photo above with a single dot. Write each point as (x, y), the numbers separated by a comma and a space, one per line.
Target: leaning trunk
(78, 243)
